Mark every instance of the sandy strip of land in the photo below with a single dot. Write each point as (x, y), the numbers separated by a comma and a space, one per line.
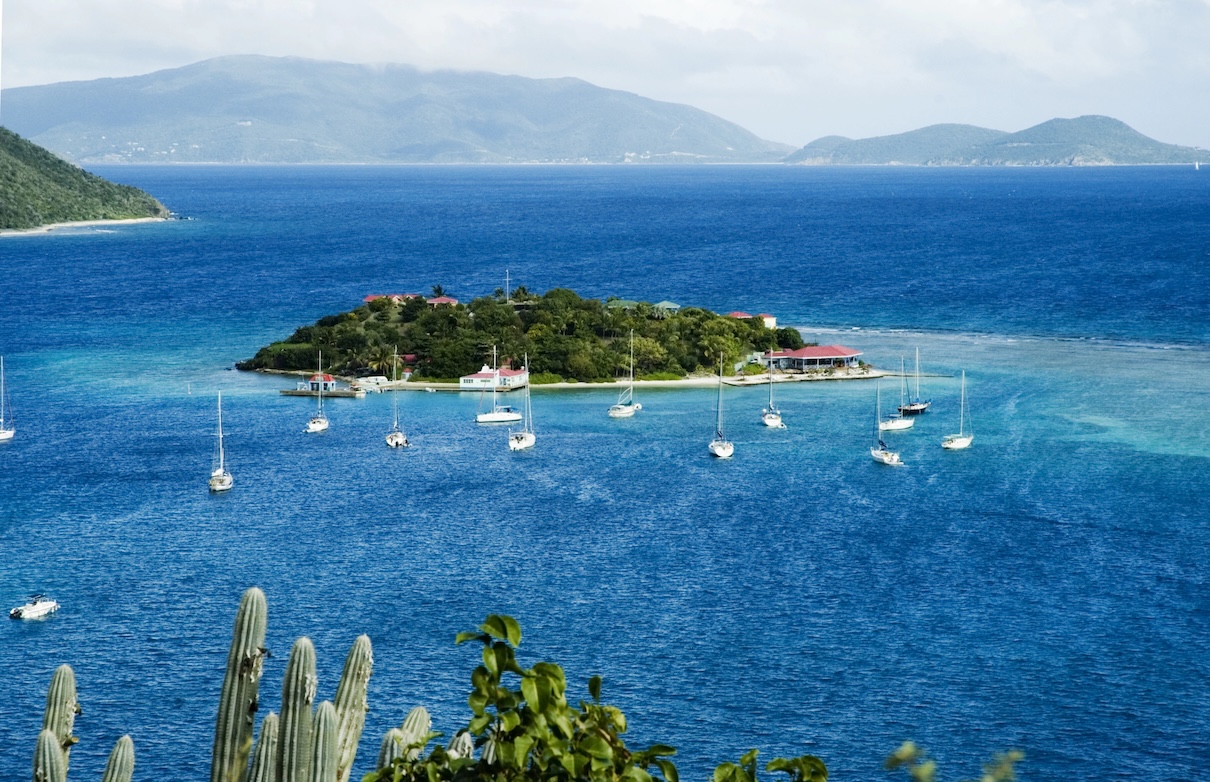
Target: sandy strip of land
(45, 229)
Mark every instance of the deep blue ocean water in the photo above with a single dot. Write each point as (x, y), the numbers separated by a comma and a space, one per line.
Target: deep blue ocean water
(1045, 590)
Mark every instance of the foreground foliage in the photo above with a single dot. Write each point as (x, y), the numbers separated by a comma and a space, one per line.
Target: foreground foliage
(37, 188)
(565, 336)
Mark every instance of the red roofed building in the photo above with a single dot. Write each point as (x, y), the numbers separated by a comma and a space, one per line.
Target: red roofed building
(812, 357)
(487, 377)
(770, 320)
(738, 315)
(329, 383)
(437, 302)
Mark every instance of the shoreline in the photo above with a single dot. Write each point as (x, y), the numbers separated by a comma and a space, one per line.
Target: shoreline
(45, 229)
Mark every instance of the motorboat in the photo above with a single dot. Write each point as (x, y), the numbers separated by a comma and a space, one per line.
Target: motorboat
(37, 607)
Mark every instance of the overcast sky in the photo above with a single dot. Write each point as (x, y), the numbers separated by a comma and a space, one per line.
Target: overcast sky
(788, 70)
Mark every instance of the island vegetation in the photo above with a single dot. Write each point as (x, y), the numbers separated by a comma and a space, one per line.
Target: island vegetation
(565, 336)
(37, 188)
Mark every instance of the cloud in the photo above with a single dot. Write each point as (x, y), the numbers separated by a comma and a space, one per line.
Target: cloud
(790, 70)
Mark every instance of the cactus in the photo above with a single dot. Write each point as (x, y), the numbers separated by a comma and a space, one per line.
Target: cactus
(264, 759)
(351, 704)
(297, 695)
(62, 706)
(415, 727)
(392, 747)
(237, 706)
(461, 746)
(323, 744)
(121, 762)
(49, 763)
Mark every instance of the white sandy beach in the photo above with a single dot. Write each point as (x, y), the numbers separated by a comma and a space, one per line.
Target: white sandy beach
(45, 229)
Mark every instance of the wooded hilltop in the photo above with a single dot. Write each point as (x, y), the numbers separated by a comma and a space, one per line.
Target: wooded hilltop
(565, 336)
(38, 188)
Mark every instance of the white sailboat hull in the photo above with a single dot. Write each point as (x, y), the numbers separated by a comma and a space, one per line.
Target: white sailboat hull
(317, 424)
(221, 480)
(956, 442)
(624, 411)
(6, 434)
(498, 417)
(883, 456)
(772, 419)
(723, 449)
(896, 424)
(519, 441)
(397, 439)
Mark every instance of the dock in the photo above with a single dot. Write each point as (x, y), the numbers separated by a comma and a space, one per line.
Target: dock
(339, 393)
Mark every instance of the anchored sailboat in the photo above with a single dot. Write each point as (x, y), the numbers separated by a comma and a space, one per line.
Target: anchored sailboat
(220, 477)
(917, 405)
(6, 417)
(771, 416)
(519, 441)
(319, 421)
(626, 406)
(499, 414)
(898, 421)
(965, 436)
(720, 446)
(881, 453)
(396, 438)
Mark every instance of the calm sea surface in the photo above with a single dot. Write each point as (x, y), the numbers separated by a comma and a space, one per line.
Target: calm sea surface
(1045, 590)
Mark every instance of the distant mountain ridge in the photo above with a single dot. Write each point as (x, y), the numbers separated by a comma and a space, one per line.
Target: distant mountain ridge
(37, 188)
(1084, 141)
(253, 109)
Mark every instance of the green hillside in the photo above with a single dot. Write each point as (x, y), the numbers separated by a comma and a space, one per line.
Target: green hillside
(38, 188)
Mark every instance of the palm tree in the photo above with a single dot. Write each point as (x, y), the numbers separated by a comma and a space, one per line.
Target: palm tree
(438, 291)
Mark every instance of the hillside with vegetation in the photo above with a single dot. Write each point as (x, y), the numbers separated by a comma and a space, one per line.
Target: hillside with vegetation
(565, 336)
(37, 188)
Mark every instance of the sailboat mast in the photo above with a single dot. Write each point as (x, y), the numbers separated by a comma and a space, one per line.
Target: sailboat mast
(962, 406)
(719, 425)
(320, 403)
(1, 391)
(395, 379)
(221, 460)
(917, 374)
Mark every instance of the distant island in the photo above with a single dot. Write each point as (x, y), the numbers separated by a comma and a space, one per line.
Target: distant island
(1083, 141)
(566, 337)
(38, 189)
(253, 109)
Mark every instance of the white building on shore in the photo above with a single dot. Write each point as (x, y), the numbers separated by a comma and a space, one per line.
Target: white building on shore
(812, 357)
(488, 378)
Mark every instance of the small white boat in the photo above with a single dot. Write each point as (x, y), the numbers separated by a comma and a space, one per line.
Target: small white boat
(220, 478)
(966, 435)
(519, 441)
(499, 414)
(771, 416)
(720, 446)
(626, 406)
(917, 405)
(396, 438)
(319, 421)
(6, 423)
(37, 607)
(881, 453)
(898, 421)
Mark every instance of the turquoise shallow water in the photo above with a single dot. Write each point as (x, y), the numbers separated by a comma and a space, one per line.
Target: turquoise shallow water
(1044, 590)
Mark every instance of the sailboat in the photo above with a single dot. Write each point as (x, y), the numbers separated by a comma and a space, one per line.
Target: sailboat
(6, 423)
(519, 441)
(771, 416)
(319, 421)
(917, 405)
(898, 421)
(965, 436)
(881, 453)
(396, 438)
(220, 477)
(499, 414)
(720, 446)
(626, 406)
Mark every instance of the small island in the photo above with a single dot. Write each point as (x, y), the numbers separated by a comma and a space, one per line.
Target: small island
(566, 337)
(39, 189)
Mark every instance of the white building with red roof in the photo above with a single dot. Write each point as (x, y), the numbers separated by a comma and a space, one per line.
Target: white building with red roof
(440, 300)
(487, 378)
(313, 384)
(812, 357)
